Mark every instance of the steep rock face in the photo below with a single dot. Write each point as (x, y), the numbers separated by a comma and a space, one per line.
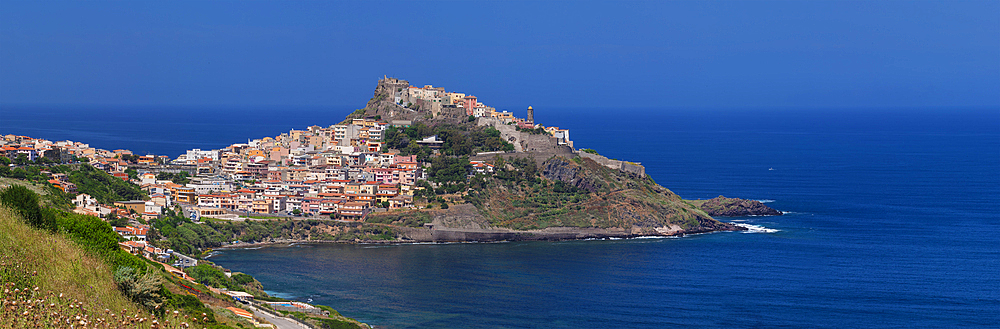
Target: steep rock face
(733, 207)
(383, 104)
(558, 169)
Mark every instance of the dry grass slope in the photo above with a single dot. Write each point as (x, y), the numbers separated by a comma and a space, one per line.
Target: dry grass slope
(64, 266)
(46, 281)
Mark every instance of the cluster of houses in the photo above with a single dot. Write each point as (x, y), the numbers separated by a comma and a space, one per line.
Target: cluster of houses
(434, 99)
(338, 171)
(136, 244)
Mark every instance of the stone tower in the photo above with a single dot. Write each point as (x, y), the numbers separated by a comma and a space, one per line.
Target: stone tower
(531, 114)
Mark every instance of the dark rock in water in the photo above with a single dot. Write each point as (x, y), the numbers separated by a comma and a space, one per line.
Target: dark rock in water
(732, 207)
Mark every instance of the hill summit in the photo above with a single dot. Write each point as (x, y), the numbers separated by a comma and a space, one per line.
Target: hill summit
(543, 189)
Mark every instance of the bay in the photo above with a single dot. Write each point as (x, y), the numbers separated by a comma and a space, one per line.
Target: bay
(892, 222)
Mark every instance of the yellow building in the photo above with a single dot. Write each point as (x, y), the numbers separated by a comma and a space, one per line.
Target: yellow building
(137, 206)
(262, 206)
(185, 195)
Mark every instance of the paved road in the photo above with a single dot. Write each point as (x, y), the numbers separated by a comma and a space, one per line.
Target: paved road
(279, 322)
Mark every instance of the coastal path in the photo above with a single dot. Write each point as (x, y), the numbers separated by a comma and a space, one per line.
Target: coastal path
(278, 321)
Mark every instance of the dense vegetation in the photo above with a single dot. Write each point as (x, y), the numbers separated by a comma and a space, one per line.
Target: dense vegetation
(210, 275)
(527, 200)
(534, 131)
(458, 140)
(105, 188)
(98, 184)
(26, 204)
(178, 178)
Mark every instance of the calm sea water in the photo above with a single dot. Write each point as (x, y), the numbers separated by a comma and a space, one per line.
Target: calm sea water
(893, 221)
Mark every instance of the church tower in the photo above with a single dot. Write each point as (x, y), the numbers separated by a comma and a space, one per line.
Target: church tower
(531, 115)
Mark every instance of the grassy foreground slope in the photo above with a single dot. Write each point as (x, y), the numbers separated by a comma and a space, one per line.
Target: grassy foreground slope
(62, 270)
(35, 258)
(50, 282)
(65, 270)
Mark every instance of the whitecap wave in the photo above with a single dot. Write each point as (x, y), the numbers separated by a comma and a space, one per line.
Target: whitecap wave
(764, 200)
(756, 228)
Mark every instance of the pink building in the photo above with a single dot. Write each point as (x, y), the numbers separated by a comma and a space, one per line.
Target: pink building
(404, 158)
(470, 104)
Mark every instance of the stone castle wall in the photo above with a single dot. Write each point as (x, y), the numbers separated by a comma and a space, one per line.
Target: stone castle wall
(625, 166)
(546, 146)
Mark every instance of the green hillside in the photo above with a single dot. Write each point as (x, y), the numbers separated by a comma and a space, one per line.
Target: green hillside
(62, 270)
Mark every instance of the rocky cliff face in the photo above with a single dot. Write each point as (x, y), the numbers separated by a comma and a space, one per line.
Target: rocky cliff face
(560, 169)
(383, 104)
(732, 207)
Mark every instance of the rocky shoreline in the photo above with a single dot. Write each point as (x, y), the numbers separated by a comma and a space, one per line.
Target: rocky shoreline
(734, 207)
(461, 235)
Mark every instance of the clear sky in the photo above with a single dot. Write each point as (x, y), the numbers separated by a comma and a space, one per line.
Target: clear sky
(727, 54)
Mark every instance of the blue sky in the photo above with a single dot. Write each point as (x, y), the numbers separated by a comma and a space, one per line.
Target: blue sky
(704, 54)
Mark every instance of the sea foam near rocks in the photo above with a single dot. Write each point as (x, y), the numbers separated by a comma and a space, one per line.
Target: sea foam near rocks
(756, 228)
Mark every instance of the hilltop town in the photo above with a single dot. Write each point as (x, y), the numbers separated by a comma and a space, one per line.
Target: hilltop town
(343, 171)
(408, 156)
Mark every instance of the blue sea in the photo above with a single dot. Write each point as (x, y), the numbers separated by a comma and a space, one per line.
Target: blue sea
(892, 221)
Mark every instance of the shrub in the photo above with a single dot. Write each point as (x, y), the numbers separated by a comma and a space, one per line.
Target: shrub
(143, 289)
(25, 202)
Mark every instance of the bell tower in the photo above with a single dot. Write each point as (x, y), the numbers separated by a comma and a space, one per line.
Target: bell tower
(531, 114)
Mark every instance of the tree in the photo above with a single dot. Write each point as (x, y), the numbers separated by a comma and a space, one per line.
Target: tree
(117, 221)
(425, 189)
(21, 159)
(132, 173)
(449, 169)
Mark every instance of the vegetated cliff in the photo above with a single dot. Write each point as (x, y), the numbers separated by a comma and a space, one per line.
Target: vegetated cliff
(560, 199)
(733, 207)
(604, 198)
